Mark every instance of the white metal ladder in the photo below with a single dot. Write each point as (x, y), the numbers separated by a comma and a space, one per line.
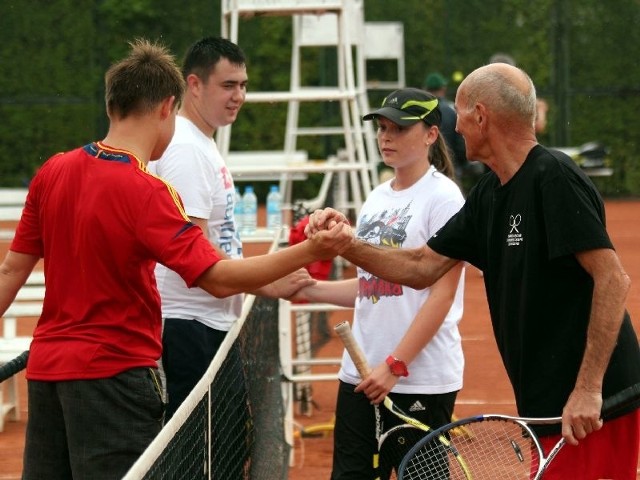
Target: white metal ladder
(316, 23)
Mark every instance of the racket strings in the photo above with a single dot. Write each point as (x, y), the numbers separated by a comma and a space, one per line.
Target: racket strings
(393, 447)
(491, 450)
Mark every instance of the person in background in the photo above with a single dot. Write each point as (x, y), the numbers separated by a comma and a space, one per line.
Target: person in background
(410, 337)
(535, 225)
(542, 107)
(501, 57)
(195, 323)
(436, 84)
(101, 222)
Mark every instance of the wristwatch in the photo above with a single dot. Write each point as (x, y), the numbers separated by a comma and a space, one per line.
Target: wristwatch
(397, 367)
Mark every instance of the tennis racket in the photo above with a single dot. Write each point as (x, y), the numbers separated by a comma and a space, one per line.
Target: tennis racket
(498, 447)
(395, 443)
(13, 366)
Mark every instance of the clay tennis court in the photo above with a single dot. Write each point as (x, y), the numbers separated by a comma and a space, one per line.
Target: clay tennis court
(486, 388)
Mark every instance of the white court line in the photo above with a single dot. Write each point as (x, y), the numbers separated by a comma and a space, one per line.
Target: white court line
(473, 401)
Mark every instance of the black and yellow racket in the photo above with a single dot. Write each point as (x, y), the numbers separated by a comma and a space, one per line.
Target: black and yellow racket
(395, 443)
(497, 447)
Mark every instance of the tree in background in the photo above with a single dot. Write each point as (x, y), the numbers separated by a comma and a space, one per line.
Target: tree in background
(579, 54)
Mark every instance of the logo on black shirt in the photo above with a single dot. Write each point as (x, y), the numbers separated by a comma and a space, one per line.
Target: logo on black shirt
(514, 237)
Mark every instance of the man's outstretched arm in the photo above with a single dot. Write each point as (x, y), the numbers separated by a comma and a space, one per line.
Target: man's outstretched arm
(229, 277)
(416, 268)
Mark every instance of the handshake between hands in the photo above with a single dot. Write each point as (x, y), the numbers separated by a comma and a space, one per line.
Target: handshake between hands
(329, 234)
(328, 219)
(329, 230)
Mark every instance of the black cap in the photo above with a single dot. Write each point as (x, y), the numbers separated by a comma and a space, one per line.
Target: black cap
(408, 106)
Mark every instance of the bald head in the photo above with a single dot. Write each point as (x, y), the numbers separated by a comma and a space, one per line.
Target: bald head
(504, 89)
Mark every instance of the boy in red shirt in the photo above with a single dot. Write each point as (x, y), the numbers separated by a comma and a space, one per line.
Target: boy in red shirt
(101, 222)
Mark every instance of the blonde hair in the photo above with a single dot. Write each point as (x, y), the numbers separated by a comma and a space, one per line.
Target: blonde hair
(440, 156)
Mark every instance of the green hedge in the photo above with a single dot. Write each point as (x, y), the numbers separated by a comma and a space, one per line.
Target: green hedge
(579, 54)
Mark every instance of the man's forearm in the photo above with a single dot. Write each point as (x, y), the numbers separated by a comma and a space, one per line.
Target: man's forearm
(607, 312)
(230, 277)
(610, 289)
(416, 267)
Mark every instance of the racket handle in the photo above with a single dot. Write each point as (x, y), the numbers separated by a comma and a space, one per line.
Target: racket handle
(620, 401)
(13, 366)
(343, 330)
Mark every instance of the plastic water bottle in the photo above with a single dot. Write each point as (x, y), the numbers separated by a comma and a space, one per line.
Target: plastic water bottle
(250, 211)
(238, 211)
(274, 209)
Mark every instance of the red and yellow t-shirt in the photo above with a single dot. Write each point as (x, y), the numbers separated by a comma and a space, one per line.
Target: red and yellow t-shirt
(101, 222)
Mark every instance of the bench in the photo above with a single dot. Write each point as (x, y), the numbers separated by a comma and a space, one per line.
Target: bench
(27, 304)
(266, 165)
(11, 204)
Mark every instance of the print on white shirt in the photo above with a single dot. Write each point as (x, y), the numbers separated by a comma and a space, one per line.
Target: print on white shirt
(388, 228)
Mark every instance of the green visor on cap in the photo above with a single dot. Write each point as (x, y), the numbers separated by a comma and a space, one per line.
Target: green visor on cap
(408, 106)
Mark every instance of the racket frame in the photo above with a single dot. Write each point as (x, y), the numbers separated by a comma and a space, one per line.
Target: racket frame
(524, 423)
(13, 366)
(611, 406)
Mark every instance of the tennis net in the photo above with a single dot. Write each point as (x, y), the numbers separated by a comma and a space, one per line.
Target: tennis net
(231, 426)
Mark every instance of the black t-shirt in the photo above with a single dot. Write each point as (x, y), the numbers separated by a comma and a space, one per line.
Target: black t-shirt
(523, 235)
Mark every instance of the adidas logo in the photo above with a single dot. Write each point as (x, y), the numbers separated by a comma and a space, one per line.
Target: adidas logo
(417, 407)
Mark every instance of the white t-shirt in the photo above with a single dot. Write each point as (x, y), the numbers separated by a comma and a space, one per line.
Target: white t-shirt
(383, 310)
(194, 166)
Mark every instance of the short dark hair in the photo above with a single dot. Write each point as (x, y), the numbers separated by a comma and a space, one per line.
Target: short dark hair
(142, 80)
(202, 57)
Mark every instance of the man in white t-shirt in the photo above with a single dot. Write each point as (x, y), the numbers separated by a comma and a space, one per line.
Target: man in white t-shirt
(195, 323)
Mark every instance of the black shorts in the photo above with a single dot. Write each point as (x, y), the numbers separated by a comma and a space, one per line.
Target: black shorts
(91, 428)
(355, 444)
(188, 347)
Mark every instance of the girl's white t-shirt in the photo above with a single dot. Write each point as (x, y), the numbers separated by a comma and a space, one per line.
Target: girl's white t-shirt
(384, 310)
